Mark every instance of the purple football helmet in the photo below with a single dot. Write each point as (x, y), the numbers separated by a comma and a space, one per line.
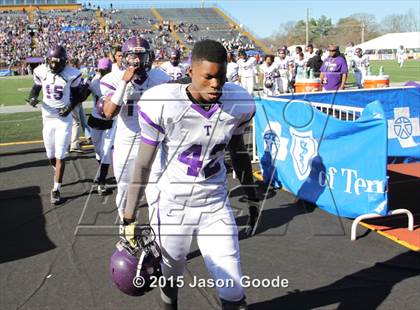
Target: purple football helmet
(56, 59)
(174, 57)
(137, 46)
(268, 83)
(131, 269)
(99, 106)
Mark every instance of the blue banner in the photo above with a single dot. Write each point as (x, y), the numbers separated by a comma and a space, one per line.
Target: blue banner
(5, 72)
(402, 110)
(338, 165)
(75, 28)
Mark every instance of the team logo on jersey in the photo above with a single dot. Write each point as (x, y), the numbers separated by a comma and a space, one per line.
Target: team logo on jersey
(403, 127)
(274, 142)
(304, 149)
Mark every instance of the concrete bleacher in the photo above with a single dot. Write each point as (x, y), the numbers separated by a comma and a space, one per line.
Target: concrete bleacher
(204, 17)
(126, 17)
(211, 25)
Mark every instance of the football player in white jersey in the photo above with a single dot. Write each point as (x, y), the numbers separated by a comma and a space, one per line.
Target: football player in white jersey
(360, 64)
(232, 69)
(193, 124)
(174, 68)
(285, 68)
(102, 129)
(247, 69)
(60, 86)
(122, 92)
(271, 76)
(401, 56)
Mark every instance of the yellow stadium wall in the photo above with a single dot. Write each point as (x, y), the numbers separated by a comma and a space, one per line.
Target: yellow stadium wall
(70, 7)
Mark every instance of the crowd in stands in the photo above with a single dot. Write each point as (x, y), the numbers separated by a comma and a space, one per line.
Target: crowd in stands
(84, 38)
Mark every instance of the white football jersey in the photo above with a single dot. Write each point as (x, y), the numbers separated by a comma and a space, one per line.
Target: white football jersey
(270, 71)
(193, 139)
(56, 87)
(174, 72)
(360, 63)
(232, 71)
(247, 68)
(283, 66)
(127, 119)
(115, 68)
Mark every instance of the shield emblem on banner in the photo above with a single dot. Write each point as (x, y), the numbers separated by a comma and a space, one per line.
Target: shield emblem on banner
(304, 148)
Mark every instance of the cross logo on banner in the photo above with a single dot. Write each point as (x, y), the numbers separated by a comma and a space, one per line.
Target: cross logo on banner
(404, 128)
(274, 142)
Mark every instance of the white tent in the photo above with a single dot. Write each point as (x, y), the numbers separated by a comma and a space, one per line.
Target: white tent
(388, 44)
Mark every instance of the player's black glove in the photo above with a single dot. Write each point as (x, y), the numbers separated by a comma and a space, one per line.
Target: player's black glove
(63, 112)
(254, 211)
(32, 101)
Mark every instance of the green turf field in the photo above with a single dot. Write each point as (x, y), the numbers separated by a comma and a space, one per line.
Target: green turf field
(14, 90)
(410, 71)
(20, 127)
(25, 126)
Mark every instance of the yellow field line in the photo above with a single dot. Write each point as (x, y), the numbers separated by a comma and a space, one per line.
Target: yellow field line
(21, 143)
(393, 238)
(84, 147)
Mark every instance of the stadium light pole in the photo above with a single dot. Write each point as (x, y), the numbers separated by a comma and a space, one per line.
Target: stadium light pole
(363, 31)
(307, 26)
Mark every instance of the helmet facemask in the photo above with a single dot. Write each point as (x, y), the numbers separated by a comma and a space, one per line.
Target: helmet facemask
(140, 61)
(56, 65)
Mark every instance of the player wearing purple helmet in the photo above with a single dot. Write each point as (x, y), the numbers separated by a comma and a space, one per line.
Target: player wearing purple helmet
(192, 124)
(122, 92)
(174, 68)
(60, 86)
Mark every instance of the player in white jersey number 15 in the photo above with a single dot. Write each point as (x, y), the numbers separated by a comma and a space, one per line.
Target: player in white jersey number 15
(122, 91)
(60, 86)
(193, 124)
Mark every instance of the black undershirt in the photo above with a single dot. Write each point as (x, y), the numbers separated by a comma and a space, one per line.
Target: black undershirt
(205, 105)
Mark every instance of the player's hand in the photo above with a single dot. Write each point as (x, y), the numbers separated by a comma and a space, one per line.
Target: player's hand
(32, 102)
(63, 112)
(129, 74)
(128, 233)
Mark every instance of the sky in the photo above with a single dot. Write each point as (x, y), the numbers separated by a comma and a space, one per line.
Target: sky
(264, 17)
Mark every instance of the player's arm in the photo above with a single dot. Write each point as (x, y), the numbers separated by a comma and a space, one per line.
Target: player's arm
(241, 163)
(74, 101)
(75, 89)
(143, 164)
(140, 177)
(114, 102)
(33, 95)
(35, 90)
(85, 90)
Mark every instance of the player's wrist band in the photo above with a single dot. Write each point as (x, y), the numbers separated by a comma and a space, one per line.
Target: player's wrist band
(128, 221)
(118, 95)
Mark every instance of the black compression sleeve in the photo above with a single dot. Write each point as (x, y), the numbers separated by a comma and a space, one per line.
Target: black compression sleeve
(36, 89)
